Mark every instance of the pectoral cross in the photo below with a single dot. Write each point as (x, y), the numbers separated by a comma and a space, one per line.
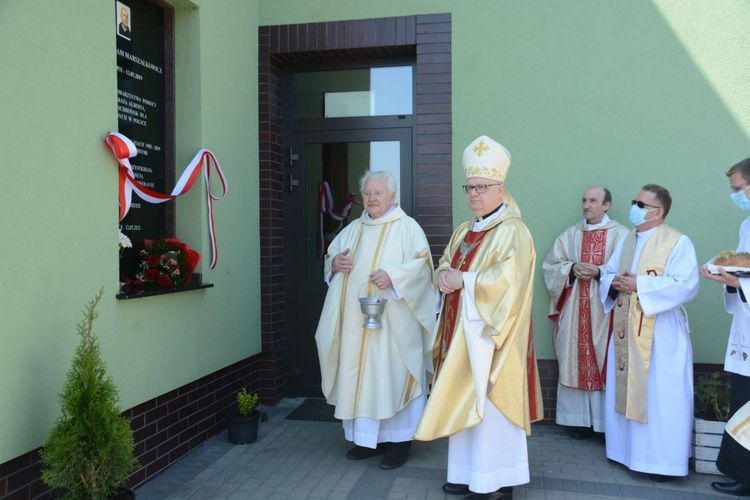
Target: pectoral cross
(464, 250)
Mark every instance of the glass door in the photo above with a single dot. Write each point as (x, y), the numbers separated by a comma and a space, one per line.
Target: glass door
(322, 198)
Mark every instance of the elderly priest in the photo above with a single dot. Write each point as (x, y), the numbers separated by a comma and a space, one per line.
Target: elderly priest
(377, 378)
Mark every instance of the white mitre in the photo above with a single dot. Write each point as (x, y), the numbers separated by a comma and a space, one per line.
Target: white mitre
(489, 159)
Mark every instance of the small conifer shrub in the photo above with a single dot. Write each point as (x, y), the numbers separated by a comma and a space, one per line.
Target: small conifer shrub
(89, 450)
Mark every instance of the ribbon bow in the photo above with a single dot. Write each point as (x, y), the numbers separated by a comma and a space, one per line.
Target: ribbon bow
(124, 149)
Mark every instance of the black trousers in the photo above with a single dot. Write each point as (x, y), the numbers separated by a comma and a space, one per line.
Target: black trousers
(734, 459)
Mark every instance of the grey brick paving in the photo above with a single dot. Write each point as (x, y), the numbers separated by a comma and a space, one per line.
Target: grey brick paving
(296, 460)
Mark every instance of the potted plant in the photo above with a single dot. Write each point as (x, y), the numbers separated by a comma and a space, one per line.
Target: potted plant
(89, 450)
(711, 413)
(242, 425)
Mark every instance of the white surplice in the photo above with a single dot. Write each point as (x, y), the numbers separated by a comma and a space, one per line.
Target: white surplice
(733, 460)
(737, 358)
(663, 445)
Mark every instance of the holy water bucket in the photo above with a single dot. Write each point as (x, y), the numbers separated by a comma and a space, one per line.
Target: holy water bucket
(372, 307)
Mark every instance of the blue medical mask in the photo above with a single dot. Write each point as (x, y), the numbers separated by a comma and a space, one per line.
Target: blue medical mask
(740, 199)
(638, 215)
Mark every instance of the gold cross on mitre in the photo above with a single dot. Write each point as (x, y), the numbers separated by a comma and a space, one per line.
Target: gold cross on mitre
(480, 148)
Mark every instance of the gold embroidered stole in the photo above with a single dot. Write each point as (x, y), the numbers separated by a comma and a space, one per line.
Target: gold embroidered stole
(377, 256)
(739, 426)
(633, 331)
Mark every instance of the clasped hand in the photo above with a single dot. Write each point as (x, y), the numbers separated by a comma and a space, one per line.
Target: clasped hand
(450, 280)
(585, 271)
(625, 283)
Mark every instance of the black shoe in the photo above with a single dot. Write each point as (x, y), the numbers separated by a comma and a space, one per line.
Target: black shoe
(456, 488)
(582, 433)
(505, 493)
(396, 455)
(360, 452)
(659, 478)
(736, 489)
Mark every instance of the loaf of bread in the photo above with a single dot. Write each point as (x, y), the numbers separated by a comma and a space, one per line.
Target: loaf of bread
(730, 258)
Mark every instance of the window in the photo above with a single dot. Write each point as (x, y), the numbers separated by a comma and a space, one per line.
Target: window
(353, 92)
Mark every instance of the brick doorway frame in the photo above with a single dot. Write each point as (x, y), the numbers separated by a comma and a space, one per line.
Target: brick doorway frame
(426, 36)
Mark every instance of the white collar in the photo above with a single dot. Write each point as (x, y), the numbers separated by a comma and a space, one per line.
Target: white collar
(482, 222)
(591, 227)
(393, 207)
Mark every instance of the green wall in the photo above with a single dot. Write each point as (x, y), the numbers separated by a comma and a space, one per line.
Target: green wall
(58, 99)
(582, 92)
(620, 93)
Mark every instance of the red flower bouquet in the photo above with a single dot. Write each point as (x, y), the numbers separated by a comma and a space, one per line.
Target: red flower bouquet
(165, 263)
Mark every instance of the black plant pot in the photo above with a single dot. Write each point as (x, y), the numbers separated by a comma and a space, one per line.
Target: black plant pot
(121, 493)
(243, 430)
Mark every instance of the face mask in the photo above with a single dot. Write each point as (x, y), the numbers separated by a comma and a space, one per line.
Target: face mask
(638, 215)
(740, 199)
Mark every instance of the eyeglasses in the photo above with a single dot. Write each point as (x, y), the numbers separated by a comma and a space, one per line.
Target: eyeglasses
(640, 204)
(738, 189)
(479, 188)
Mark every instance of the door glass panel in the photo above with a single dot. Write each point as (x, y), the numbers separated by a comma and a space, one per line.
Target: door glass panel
(353, 92)
(340, 165)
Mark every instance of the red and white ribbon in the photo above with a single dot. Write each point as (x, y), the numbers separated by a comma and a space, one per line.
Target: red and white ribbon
(325, 206)
(124, 149)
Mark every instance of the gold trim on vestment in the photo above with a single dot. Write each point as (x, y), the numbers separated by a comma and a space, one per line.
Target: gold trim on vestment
(400, 349)
(633, 334)
(384, 229)
(503, 290)
(739, 426)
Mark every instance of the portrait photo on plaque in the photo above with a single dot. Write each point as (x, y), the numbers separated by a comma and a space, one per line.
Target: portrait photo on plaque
(123, 20)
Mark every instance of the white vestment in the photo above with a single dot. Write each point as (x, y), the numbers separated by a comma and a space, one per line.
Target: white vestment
(579, 408)
(737, 359)
(376, 378)
(490, 455)
(663, 445)
(734, 458)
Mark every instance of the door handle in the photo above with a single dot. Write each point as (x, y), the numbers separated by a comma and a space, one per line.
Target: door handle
(292, 183)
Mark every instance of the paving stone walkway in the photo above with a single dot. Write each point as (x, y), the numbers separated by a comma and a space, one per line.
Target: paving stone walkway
(299, 459)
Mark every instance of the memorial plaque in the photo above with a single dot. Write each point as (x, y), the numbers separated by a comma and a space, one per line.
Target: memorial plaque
(143, 33)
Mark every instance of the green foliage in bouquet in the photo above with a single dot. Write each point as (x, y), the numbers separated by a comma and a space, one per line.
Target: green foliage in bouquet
(712, 398)
(89, 450)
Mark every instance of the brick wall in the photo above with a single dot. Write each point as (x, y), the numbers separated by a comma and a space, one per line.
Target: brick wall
(165, 429)
(548, 374)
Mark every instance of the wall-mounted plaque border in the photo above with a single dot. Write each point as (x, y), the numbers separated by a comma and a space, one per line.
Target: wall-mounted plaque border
(144, 30)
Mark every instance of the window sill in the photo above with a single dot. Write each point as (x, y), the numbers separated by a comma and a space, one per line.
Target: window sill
(164, 291)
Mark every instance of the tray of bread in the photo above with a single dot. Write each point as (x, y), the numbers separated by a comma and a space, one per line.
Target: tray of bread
(737, 263)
